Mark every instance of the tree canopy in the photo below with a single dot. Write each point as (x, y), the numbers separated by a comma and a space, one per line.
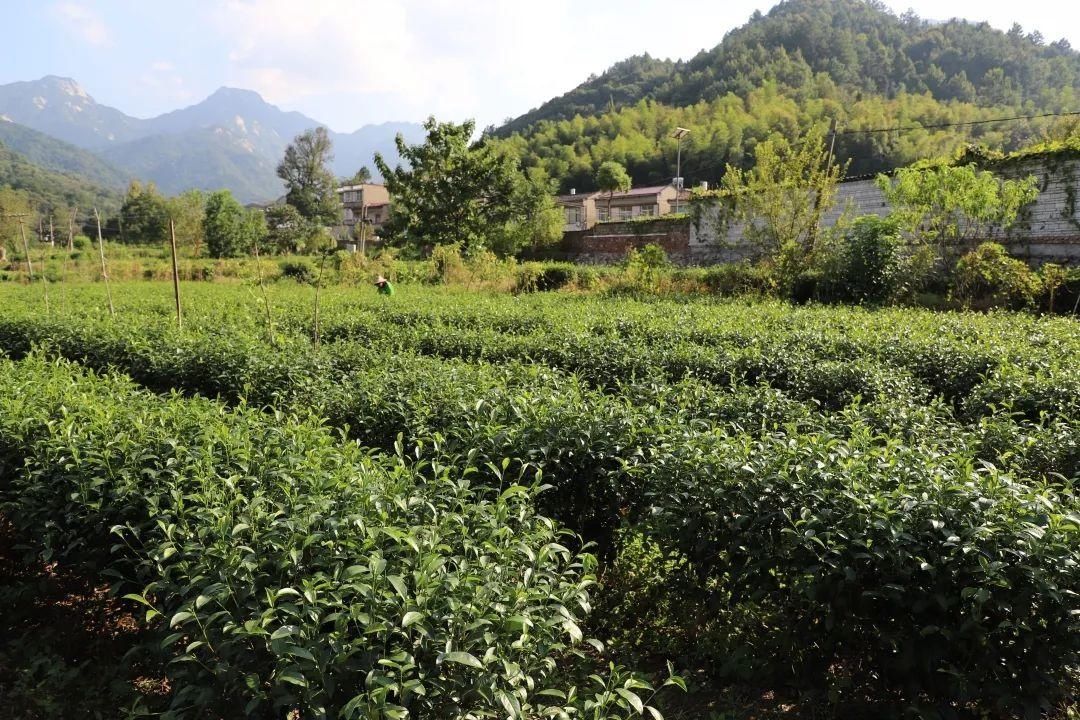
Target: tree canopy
(310, 184)
(454, 191)
(144, 216)
(231, 229)
(782, 198)
(612, 177)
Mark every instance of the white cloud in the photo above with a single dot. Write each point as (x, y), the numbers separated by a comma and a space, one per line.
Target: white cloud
(288, 51)
(162, 66)
(83, 22)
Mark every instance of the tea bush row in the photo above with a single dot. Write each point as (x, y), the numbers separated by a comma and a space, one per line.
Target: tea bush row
(732, 491)
(290, 570)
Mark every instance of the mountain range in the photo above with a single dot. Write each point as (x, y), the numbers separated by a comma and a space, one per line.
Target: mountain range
(897, 87)
(233, 139)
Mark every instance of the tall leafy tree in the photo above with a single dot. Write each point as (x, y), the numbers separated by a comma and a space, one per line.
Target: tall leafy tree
(783, 197)
(310, 184)
(288, 230)
(144, 216)
(454, 191)
(186, 210)
(231, 230)
(536, 221)
(612, 178)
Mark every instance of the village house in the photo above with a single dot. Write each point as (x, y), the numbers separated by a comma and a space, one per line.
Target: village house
(581, 211)
(367, 203)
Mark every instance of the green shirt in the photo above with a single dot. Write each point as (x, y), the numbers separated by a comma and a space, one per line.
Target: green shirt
(386, 288)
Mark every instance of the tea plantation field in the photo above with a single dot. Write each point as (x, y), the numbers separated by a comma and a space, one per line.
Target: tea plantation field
(443, 504)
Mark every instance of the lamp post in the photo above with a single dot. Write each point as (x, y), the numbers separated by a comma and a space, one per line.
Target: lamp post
(679, 134)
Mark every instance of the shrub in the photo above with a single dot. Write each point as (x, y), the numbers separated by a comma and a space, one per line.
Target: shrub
(586, 278)
(804, 287)
(650, 257)
(988, 277)
(447, 264)
(866, 265)
(526, 276)
(298, 270)
(554, 277)
(741, 278)
(294, 572)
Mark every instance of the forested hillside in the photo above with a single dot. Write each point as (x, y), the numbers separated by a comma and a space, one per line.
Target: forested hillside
(807, 61)
(48, 191)
(58, 156)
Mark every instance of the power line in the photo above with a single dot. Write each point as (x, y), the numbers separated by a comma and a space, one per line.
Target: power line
(955, 124)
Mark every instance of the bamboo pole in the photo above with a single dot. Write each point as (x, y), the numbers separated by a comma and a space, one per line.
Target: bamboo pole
(318, 289)
(175, 274)
(265, 297)
(30, 264)
(104, 271)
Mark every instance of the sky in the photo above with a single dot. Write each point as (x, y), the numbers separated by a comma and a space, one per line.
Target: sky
(348, 63)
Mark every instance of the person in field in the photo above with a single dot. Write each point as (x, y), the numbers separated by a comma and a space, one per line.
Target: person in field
(384, 286)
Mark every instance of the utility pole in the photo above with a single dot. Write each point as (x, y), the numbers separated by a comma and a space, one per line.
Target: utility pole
(832, 139)
(104, 272)
(52, 236)
(18, 217)
(363, 230)
(26, 249)
(679, 134)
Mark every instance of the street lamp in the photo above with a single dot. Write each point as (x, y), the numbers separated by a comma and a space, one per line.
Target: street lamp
(679, 134)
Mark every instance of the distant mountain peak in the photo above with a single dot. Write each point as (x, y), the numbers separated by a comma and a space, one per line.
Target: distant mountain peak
(225, 92)
(65, 85)
(233, 138)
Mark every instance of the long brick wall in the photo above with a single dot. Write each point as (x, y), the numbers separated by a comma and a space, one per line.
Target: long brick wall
(1048, 229)
(608, 243)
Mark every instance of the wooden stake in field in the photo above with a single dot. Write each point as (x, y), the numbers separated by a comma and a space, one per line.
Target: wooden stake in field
(318, 288)
(175, 274)
(266, 299)
(104, 271)
(30, 263)
(64, 268)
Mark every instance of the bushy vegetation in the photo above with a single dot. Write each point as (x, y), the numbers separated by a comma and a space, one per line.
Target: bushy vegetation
(290, 573)
(851, 499)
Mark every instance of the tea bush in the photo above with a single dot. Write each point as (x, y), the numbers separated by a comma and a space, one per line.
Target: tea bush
(293, 571)
(776, 492)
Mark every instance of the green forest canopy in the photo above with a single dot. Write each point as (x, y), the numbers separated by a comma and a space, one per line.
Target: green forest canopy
(805, 63)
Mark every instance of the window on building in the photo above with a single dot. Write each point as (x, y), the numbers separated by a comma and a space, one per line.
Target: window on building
(603, 214)
(572, 215)
(646, 210)
(348, 214)
(624, 213)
